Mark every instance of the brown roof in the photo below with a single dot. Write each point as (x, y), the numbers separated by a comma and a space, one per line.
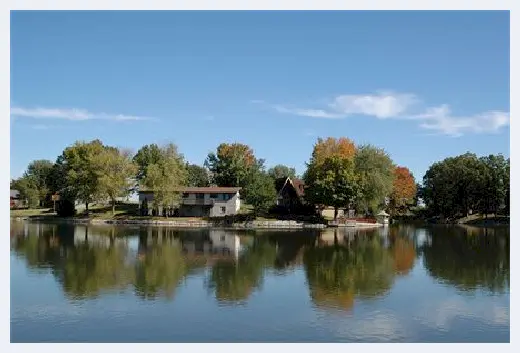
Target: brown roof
(299, 186)
(203, 190)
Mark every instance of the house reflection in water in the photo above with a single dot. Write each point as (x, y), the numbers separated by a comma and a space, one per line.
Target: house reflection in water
(217, 242)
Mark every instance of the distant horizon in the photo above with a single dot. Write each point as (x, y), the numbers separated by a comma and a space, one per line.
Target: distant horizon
(424, 86)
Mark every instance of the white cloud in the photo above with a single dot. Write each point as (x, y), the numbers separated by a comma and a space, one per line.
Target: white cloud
(382, 105)
(313, 113)
(441, 120)
(71, 114)
(390, 105)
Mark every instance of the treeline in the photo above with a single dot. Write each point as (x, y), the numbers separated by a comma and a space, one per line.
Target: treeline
(466, 184)
(339, 174)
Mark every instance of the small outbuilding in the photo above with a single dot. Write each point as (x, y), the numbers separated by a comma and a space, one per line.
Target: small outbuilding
(383, 217)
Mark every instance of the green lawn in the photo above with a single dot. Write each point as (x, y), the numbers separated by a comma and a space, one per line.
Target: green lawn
(32, 212)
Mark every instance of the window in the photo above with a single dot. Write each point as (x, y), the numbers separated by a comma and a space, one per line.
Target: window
(213, 196)
(228, 196)
(222, 238)
(200, 196)
(223, 209)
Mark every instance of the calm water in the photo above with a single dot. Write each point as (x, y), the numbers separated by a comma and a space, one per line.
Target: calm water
(131, 284)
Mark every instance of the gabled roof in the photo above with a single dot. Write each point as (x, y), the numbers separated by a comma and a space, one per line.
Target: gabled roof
(297, 184)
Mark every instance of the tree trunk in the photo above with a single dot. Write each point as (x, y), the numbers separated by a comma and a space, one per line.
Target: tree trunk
(113, 207)
(86, 206)
(335, 213)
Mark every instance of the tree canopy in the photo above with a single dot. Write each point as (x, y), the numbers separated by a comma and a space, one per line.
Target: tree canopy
(80, 169)
(330, 174)
(375, 172)
(115, 171)
(165, 176)
(197, 176)
(232, 164)
(281, 171)
(404, 189)
(459, 185)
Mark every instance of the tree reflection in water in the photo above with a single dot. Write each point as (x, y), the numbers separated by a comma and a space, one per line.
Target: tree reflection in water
(469, 258)
(356, 266)
(233, 281)
(341, 266)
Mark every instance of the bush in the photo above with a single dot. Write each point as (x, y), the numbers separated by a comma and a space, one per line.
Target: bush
(65, 208)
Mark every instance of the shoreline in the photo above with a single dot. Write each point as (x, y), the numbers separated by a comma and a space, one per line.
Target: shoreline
(255, 224)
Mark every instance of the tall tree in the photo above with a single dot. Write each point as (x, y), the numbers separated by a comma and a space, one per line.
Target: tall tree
(404, 189)
(495, 181)
(197, 176)
(40, 172)
(115, 172)
(375, 171)
(329, 147)
(330, 175)
(166, 176)
(457, 185)
(232, 164)
(82, 178)
(281, 171)
(145, 156)
(260, 191)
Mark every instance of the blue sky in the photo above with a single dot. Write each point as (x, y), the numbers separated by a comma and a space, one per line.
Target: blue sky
(421, 85)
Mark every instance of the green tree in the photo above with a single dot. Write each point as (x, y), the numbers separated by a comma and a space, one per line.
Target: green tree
(115, 172)
(147, 155)
(28, 189)
(260, 192)
(457, 185)
(197, 176)
(495, 183)
(166, 176)
(80, 168)
(330, 177)
(375, 171)
(40, 172)
(333, 183)
(232, 164)
(281, 171)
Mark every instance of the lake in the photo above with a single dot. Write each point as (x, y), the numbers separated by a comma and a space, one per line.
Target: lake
(141, 284)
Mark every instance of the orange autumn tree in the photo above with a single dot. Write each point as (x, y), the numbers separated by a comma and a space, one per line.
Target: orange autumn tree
(330, 177)
(404, 190)
(341, 147)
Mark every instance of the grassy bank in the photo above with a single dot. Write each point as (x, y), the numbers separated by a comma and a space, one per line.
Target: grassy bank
(131, 212)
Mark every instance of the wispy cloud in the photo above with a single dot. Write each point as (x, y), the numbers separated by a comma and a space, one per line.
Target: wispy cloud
(390, 105)
(71, 114)
(440, 119)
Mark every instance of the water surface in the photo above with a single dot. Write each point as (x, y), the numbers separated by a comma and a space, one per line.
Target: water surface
(140, 284)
